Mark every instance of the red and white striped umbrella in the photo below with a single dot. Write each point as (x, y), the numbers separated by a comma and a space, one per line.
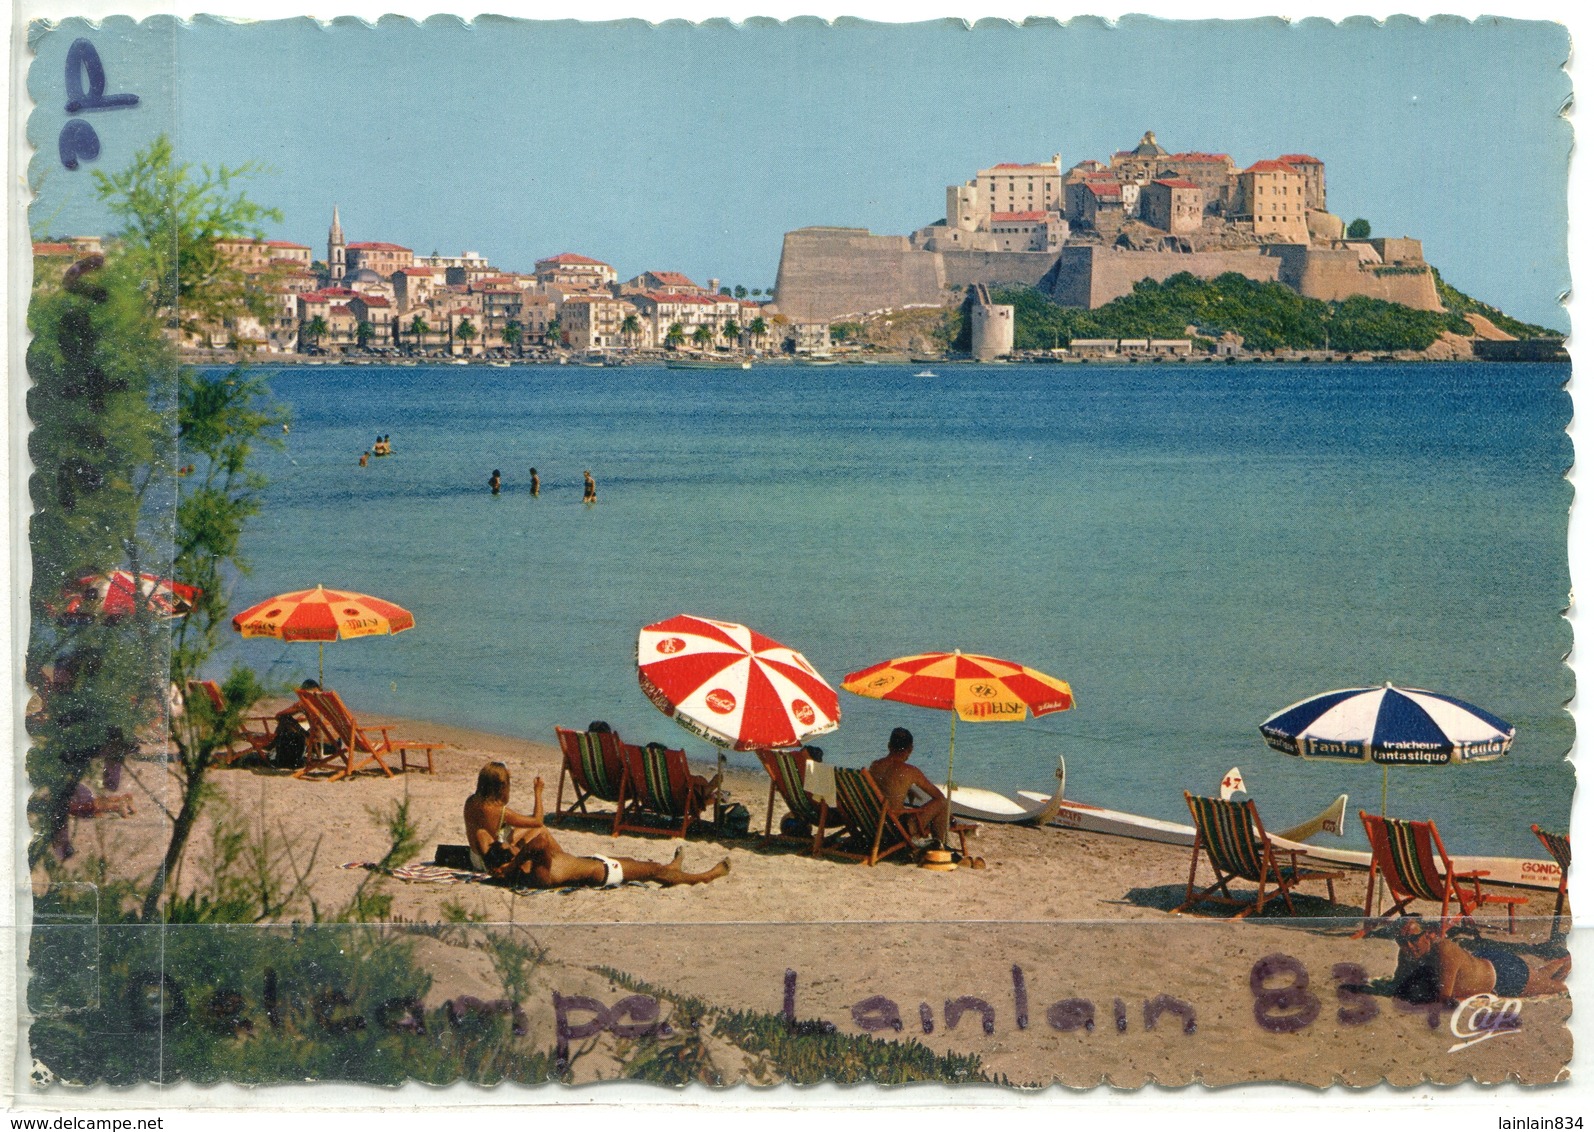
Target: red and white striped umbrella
(733, 686)
(112, 595)
(322, 615)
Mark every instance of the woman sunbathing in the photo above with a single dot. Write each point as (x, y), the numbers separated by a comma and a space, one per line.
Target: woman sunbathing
(1434, 968)
(515, 847)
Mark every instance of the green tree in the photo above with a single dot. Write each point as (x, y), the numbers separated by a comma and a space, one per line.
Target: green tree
(758, 328)
(675, 335)
(555, 334)
(703, 337)
(173, 219)
(512, 335)
(731, 331)
(418, 331)
(631, 329)
(467, 333)
(363, 333)
(739, 291)
(315, 330)
(1359, 230)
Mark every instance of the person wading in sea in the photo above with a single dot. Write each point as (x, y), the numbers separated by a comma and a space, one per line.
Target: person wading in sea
(589, 493)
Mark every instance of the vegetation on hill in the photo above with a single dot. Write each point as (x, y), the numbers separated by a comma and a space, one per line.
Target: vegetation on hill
(1455, 300)
(1268, 316)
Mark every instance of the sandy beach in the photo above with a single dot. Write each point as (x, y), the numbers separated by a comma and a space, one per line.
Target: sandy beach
(1060, 928)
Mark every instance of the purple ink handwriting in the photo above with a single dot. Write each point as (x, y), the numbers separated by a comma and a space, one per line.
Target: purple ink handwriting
(85, 93)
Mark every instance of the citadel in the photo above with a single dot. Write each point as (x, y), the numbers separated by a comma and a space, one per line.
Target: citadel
(1087, 234)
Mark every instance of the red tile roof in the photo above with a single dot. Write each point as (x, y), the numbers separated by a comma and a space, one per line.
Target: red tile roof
(286, 244)
(1299, 159)
(1104, 188)
(1025, 165)
(1176, 183)
(341, 310)
(1272, 167)
(427, 271)
(672, 279)
(315, 297)
(54, 249)
(1017, 217)
(1207, 157)
(378, 246)
(571, 258)
(374, 301)
(678, 297)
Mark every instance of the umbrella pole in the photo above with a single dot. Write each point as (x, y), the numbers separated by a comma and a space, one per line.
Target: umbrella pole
(1383, 799)
(951, 750)
(321, 663)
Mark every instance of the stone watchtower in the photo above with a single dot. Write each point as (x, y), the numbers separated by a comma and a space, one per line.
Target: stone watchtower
(990, 326)
(336, 250)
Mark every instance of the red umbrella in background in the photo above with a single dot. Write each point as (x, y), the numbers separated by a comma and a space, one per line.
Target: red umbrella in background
(733, 686)
(322, 615)
(115, 595)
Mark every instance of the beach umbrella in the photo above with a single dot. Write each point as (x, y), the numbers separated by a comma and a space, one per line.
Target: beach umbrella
(733, 686)
(116, 593)
(979, 689)
(322, 615)
(1389, 726)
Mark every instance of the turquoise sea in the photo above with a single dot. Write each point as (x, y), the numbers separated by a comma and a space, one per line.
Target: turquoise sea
(1192, 547)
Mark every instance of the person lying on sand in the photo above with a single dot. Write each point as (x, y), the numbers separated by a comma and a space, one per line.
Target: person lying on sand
(896, 776)
(1434, 968)
(518, 848)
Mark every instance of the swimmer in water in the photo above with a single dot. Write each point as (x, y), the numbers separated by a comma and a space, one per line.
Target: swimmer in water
(365, 458)
(589, 493)
(495, 482)
(536, 484)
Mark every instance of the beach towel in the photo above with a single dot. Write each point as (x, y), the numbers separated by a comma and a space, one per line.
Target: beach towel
(438, 874)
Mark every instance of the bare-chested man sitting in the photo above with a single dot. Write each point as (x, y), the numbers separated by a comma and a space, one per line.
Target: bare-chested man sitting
(1433, 968)
(896, 777)
(513, 846)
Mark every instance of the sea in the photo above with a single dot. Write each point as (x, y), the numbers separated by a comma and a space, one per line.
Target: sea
(1191, 546)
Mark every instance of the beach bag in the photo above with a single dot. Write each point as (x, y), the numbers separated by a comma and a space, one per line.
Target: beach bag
(287, 749)
(736, 821)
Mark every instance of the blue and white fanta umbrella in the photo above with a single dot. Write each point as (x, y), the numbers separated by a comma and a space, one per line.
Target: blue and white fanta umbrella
(1390, 726)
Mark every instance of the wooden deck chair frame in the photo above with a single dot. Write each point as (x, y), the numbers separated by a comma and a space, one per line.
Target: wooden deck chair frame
(323, 750)
(657, 781)
(857, 790)
(1238, 848)
(1559, 846)
(1403, 854)
(255, 742)
(333, 715)
(583, 752)
(788, 773)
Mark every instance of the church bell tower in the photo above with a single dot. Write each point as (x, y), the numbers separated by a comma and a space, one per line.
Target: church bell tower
(336, 263)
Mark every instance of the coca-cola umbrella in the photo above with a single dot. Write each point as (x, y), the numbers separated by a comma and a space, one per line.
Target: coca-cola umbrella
(322, 615)
(117, 593)
(732, 685)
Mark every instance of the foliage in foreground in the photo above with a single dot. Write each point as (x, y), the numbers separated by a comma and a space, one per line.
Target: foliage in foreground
(1461, 303)
(802, 1054)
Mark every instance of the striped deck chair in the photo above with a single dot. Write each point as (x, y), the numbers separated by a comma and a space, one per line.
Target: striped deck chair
(1560, 847)
(869, 820)
(593, 765)
(1403, 854)
(788, 774)
(253, 740)
(352, 743)
(1238, 848)
(656, 783)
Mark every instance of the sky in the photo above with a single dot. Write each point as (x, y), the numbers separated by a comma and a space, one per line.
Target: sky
(695, 148)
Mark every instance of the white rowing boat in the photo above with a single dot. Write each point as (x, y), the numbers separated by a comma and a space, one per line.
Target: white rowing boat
(1519, 872)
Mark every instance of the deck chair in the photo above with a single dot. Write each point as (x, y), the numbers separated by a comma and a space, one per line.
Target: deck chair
(331, 717)
(243, 740)
(1403, 854)
(656, 783)
(1230, 833)
(1560, 847)
(592, 763)
(788, 773)
(869, 820)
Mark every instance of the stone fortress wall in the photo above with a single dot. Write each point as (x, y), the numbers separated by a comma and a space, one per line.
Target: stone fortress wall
(826, 273)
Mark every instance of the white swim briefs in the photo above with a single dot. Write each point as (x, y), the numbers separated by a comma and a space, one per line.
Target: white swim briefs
(613, 875)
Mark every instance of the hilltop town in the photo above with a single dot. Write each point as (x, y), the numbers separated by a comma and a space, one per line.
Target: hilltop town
(1081, 237)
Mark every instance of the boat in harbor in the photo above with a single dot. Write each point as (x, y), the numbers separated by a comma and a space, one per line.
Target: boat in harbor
(925, 373)
(708, 363)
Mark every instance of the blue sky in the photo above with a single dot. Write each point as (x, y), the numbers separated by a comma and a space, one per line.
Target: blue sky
(694, 148)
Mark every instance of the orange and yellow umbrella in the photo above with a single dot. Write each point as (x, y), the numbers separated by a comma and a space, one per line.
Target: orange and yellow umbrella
(322, 615)
(975, 688)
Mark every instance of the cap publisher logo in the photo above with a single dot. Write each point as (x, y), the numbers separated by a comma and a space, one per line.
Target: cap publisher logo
(721, 701)
(803, 712)
(669, 646)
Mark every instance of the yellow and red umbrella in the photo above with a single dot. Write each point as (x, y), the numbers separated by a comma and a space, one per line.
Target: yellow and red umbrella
(976, 688)
(117, 594)
(322, 615)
